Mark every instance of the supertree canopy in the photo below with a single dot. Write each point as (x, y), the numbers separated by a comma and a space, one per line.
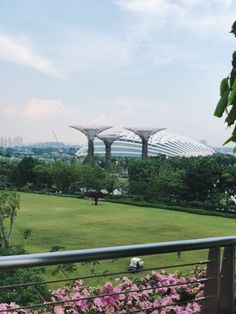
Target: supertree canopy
(108, 140)
(145, 134)
(90, 133)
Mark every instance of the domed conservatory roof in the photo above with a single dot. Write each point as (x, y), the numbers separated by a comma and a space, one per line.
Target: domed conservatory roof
(161, 143)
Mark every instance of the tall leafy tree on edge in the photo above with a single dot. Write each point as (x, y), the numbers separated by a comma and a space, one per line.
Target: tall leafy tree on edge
(227, 102)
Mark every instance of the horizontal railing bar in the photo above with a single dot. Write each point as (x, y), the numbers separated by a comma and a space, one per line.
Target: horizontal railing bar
(88, 255)
(20, 285)
(46, 304)
(168, 305)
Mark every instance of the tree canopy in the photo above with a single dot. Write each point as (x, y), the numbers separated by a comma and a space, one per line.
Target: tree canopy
(227, 101)
(9, 204)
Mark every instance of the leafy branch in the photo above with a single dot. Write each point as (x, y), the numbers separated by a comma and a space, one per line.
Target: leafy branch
(227, 102)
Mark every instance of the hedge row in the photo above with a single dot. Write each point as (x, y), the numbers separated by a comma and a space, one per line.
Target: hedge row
(191, 210)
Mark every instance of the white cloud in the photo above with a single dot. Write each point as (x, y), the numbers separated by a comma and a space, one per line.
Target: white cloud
(147, 6)
(19, 52)
(211, 15)
(41, 108)
(8, 110)
(154, 23)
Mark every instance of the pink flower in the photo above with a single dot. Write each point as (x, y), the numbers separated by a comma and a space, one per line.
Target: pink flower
(58, 309)
(151, 291)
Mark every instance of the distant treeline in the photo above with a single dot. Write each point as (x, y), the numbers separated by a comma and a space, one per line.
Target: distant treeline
(208, 182)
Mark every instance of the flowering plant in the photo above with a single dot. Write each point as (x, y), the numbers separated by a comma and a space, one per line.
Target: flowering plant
(156, 293)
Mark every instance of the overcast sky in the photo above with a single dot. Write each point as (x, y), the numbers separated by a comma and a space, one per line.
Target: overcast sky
(155, 63)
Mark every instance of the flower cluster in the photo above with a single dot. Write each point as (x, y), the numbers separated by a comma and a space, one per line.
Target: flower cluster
(13, 306)
(156, 293)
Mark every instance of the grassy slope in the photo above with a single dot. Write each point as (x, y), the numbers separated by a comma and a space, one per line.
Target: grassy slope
(77, 224)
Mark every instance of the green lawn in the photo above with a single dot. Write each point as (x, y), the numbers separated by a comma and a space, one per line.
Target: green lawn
(77, 224)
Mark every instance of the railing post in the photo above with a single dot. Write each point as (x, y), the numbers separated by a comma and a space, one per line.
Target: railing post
(227, 300)
(212, 286)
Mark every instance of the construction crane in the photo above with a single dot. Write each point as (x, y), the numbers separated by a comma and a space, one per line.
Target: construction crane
(60, 150)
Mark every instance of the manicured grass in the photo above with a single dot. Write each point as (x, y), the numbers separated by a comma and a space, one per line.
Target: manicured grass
(77, 224)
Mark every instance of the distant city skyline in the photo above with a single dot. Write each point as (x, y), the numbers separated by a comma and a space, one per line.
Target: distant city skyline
(125, 63)
(18, 141)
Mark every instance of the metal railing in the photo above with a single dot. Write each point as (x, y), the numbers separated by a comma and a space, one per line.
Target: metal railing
(219, 280)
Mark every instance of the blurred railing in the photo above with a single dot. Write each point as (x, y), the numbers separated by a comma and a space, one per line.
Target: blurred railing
(219, 281)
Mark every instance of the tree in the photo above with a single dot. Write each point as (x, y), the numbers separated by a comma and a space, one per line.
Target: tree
(92, 178)
(110, 182)
(122, 185)
(141, 174)
(9, 204)
(227, 182)
(169, 184)
(227, 102)
(43, 176)
(21, 295)
(24, 171)
(63, 175)
(6, 168)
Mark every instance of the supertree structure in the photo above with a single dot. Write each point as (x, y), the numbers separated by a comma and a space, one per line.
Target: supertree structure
(108, 140)
(90, 133)
(145, 134)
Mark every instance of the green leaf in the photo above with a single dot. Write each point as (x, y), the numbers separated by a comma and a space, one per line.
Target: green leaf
(234, 59)
(224, 85)
(232, 97)
(232, 137)
(234, 83)
(233, 29)
(228, 140)
(222, 104)
(230, 119)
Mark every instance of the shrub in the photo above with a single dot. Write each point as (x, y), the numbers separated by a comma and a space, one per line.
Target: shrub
(125, 295)
(21, 295)
(192, 210)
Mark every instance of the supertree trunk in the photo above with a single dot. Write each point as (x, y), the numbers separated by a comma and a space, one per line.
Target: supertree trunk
(90, 155)
(108, 151)
(108, 140)
(144, 149)
(145, 134)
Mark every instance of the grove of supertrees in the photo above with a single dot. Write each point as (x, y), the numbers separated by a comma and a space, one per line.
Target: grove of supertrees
(108, 139)
(90, 133)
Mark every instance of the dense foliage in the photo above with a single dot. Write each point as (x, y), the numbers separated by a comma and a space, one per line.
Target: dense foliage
(198, 181)
(21, 295)
(30, 174)
(208, 182)
(9, 205)
(126, 296)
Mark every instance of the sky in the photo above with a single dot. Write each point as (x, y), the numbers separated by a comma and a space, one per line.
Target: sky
(122, 63)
